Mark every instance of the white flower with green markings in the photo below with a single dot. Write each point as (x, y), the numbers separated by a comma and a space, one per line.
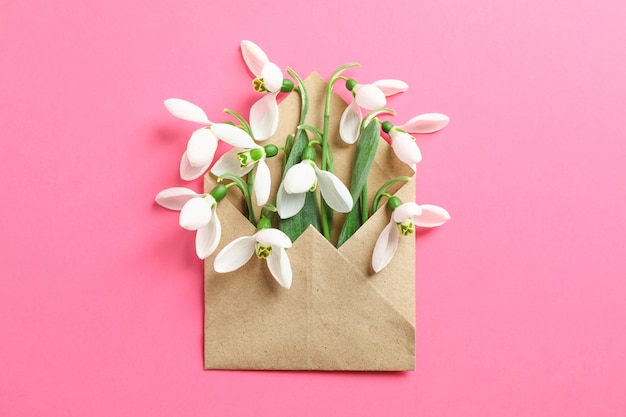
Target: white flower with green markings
(203, 142)
(305, 177)
(267, 243)
(197, 213)
(404, 218)
(404, 144)
(243, 159)
(269, 79)
(367, 96)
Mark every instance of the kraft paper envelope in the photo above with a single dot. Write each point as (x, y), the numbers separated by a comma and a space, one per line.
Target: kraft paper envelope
(338, 314)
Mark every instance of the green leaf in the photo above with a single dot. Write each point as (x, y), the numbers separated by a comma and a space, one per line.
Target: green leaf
(364, 157)
(309, 215)
(350, 225)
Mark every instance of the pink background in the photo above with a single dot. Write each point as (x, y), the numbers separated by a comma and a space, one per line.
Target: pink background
(521, 298)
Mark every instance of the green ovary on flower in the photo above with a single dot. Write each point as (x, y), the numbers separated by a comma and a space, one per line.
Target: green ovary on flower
(262, 252)
(407, 227)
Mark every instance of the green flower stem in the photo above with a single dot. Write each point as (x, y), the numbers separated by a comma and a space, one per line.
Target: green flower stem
(311, 128)
(243, 187)
(268, 211)
(326, 216)
(329, 89)
(250, 188)
(364, 212)
(382, 191)
(327, 159)
(304, 95)
(240, 119)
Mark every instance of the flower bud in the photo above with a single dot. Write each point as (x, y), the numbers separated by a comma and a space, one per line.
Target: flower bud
(270, 150)
(309, 153)
(351, 83)
(219, 192)
(264, 223)
(387, 126)
(393, 203)
(287, 85)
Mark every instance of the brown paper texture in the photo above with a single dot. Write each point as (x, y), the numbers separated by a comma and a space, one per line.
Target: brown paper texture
(338, 314)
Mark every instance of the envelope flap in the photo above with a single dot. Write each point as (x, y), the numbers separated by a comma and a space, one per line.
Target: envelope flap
(397, 281)
(330, 319)
(351, 324)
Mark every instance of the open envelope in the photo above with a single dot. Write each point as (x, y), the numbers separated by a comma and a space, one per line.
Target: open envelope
(338, 314)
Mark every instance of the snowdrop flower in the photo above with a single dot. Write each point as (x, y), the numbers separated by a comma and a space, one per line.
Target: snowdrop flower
(269, 78)
(267, 243)
(370, 97)
(403, 144)
(404, 218)
(202, 143)
(198, 213)
(304, 177)
(240, 161)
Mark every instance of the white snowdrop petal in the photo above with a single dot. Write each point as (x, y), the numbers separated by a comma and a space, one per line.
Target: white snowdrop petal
(426, 123)
(201, 147)
(405, 211)
(234, 255)
(262, 183)
(229, 163)
(369, 97)
(189, 172)
(390, 87)
(432, 216)
(233, 135)
(272, 77)
(300, 178)
(254, 57)
(288, 205)
(174, 198)
(405, 147)
(273, 237)
(264, 117)
(196, 213)
(334, 192)
(280, 267)
(186, 111)
(350, 123)
(208, 237)
(385, 247)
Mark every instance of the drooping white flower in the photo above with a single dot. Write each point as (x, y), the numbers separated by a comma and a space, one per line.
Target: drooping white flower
(240, 161)
(268, 244)
(370, 97)
(304, 177)
(198, 213)
(269, 78)
(202, 143)
(404, 218)
(404, 145)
